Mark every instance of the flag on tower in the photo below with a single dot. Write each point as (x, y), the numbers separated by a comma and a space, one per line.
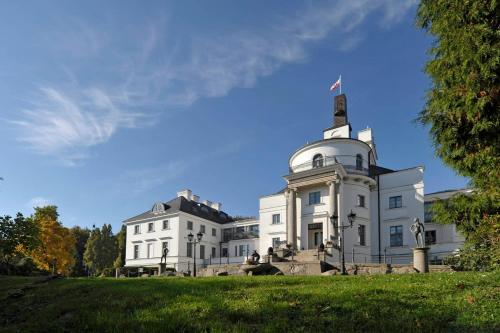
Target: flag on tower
(337, 84)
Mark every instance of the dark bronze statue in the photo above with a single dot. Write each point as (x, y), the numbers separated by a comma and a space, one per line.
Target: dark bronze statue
(164, 256)
(321, 247)
(418, 229)
(255, 256)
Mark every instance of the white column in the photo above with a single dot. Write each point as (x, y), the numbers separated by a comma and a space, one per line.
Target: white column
(291, 218)
(332, 209)
(340, 205)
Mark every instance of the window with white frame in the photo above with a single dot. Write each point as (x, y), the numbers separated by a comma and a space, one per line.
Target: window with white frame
(202, 228)
(224, 252)
(362, 234)
(276, 242)
(189, 225)
(276, 218)
(214, 232)
(213, 252)
(166, 224)
(430, 237)
(150, 250)
(151, 227)
(396, 233)
(359, 162)
(137, 229)
(189, 250)
(136, 251)
(314, 198)
(242, 250)
(317, 161)
(202, 251)
(361, 201)
(395, 202)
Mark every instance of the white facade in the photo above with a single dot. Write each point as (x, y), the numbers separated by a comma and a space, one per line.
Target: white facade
(407, 184)
(169, 224)
(328, 178)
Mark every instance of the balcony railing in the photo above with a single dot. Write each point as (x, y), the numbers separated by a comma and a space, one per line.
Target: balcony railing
(351, 163)
(235, 234)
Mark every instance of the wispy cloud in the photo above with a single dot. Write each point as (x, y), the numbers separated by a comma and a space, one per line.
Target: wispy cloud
(217, 64)
(150, 76)
(146, 179)
(62, 124)
(38, 202)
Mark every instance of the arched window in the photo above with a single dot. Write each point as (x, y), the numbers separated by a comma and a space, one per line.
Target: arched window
(359, 162)
(158, 208)
(317, 161)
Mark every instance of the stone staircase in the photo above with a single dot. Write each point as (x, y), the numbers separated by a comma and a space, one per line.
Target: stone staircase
(308, 256)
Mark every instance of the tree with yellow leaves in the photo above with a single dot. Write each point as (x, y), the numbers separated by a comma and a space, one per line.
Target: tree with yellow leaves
(57, 244)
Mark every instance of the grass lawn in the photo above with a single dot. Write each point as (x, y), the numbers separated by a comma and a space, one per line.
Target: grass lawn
(454, 302)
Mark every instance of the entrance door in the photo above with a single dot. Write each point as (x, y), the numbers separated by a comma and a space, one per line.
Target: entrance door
(315, 235)
(318, 236)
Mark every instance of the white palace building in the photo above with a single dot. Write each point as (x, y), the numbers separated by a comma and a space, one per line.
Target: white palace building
(333, 176)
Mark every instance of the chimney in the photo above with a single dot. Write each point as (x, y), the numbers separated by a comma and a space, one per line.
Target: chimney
(216, 206)
(340, 111)
(207, 202)
(195, 198)
(185, 193)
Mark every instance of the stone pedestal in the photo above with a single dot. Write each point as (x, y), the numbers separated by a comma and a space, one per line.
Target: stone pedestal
(421, 259)
(161, 268)
(117, 272)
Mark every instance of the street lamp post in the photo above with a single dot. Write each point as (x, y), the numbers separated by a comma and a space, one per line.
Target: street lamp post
(335, 219)
(193, 241)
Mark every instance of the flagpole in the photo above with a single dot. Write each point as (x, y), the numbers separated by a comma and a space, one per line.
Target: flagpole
(340, 77)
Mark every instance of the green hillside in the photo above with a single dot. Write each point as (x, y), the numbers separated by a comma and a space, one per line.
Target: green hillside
(454, 302)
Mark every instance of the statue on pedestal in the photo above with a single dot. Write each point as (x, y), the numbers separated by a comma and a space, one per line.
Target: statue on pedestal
(164, 255)
(418, 229)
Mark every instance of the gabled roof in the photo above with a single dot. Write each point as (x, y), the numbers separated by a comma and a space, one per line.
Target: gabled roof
(181, 204)
(445, 194)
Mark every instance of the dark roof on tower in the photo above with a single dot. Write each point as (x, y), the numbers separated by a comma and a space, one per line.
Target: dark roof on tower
(376, 170)
(181, 204)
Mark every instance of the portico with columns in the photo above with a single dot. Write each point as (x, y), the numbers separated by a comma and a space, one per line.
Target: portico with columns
(301, 215)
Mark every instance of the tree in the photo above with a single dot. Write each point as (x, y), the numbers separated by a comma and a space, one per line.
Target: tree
(462, 111)
(57, 245)
(462, 108)
(477, 219)
(100, 250)
(81, 236)
(17, 233)
(121, 239)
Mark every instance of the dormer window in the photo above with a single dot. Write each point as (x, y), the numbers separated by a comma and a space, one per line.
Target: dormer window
(159, 207)
(317, 161)
(359, 162)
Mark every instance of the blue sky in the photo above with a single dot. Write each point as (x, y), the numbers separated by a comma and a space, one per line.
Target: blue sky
(106, 108)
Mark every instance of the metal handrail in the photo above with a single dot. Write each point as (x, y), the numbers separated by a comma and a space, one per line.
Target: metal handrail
(332, 160)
